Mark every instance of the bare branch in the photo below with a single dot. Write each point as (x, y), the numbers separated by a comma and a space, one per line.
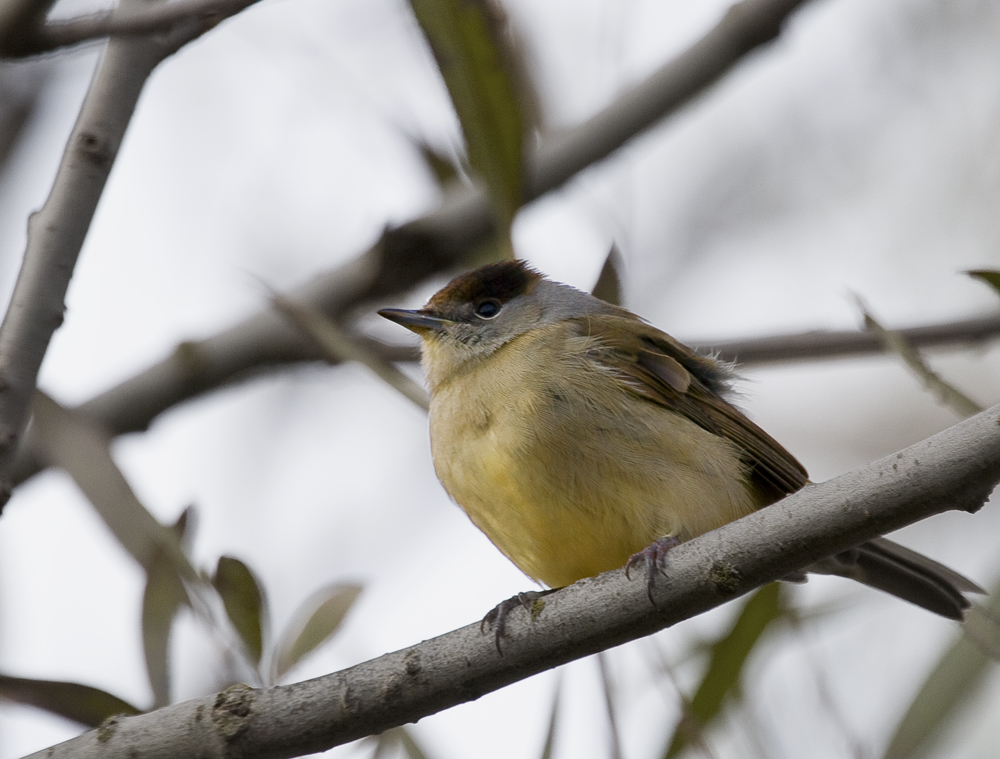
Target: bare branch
(57, 231)
(132, 20)
(956, 469)
(807, 346)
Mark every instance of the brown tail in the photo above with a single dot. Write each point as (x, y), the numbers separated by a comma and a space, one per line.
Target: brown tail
(905, 574)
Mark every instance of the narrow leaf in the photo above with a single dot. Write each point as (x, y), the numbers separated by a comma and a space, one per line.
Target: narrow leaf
(81, 703)
(728, 656)
(477, 64)
(550, 732)
(989, 276)
(609, 283)
(441, 167)
(244, 601)
(951, 685)
(413, 749)
(315, 622)
(337, 346)
(163, 596)
(73, 443)
(609, 705)
(895, 342)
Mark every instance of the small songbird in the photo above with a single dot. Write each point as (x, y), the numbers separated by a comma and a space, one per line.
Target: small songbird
(576, 436)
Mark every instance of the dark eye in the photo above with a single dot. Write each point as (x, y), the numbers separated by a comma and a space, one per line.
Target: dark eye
(487, 309)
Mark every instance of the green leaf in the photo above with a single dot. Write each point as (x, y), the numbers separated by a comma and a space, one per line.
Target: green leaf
(81, 703)
(244, 601)
(315, 622)
(982, 627)
(479, 70)
(989, 276)
(951, 685)
(609, 283)
(898, 344)
(728, 656)
(162, 598)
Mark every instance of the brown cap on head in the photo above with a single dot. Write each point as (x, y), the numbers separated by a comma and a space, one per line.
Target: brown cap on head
(502, 281)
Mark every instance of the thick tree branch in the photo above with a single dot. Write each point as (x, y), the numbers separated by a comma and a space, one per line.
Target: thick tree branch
(57, 231)
(415, 251)
(956, 469)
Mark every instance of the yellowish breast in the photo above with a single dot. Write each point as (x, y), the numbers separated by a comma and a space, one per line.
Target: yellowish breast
(567, 473)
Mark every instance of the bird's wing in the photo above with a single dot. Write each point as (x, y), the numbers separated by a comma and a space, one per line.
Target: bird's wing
(656, 367)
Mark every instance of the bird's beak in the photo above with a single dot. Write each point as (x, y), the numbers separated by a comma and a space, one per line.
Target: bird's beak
(416, 321)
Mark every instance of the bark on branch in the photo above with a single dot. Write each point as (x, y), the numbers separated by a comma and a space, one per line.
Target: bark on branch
(956, 469)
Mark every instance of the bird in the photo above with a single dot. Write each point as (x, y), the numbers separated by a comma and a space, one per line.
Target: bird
(581, 439)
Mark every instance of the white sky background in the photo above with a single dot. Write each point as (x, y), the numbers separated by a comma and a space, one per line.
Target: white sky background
(860, 154)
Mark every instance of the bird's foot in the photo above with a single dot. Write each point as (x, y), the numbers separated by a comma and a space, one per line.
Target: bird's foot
(497, 618)
(652, 558)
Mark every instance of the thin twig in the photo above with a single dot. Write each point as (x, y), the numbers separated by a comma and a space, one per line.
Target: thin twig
(131, 21)
(808, 346)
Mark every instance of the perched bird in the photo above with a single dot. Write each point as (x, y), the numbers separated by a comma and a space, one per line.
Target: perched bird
(577, 436)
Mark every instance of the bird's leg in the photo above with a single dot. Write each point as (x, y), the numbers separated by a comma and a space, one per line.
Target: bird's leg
(652, 557)
(497, 618)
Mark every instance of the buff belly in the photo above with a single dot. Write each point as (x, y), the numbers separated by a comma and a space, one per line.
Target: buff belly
(563, 500)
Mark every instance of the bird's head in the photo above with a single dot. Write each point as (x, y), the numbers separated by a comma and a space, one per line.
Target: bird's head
(476, 313)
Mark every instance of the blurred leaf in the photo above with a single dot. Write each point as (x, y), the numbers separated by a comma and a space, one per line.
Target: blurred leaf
(80, 703)
(244, 601)
(550, 733)
(397, 737)
(895, 342)
(951, 685)
(410, 746)
(475, 60)
(73, 443)
(163, 596)
(441, 167)
(337, 346)
(609, 283)
(317, 619)
(982, 628)
(609, 705)
(384, 743)
(989, 276)
(728, 656)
